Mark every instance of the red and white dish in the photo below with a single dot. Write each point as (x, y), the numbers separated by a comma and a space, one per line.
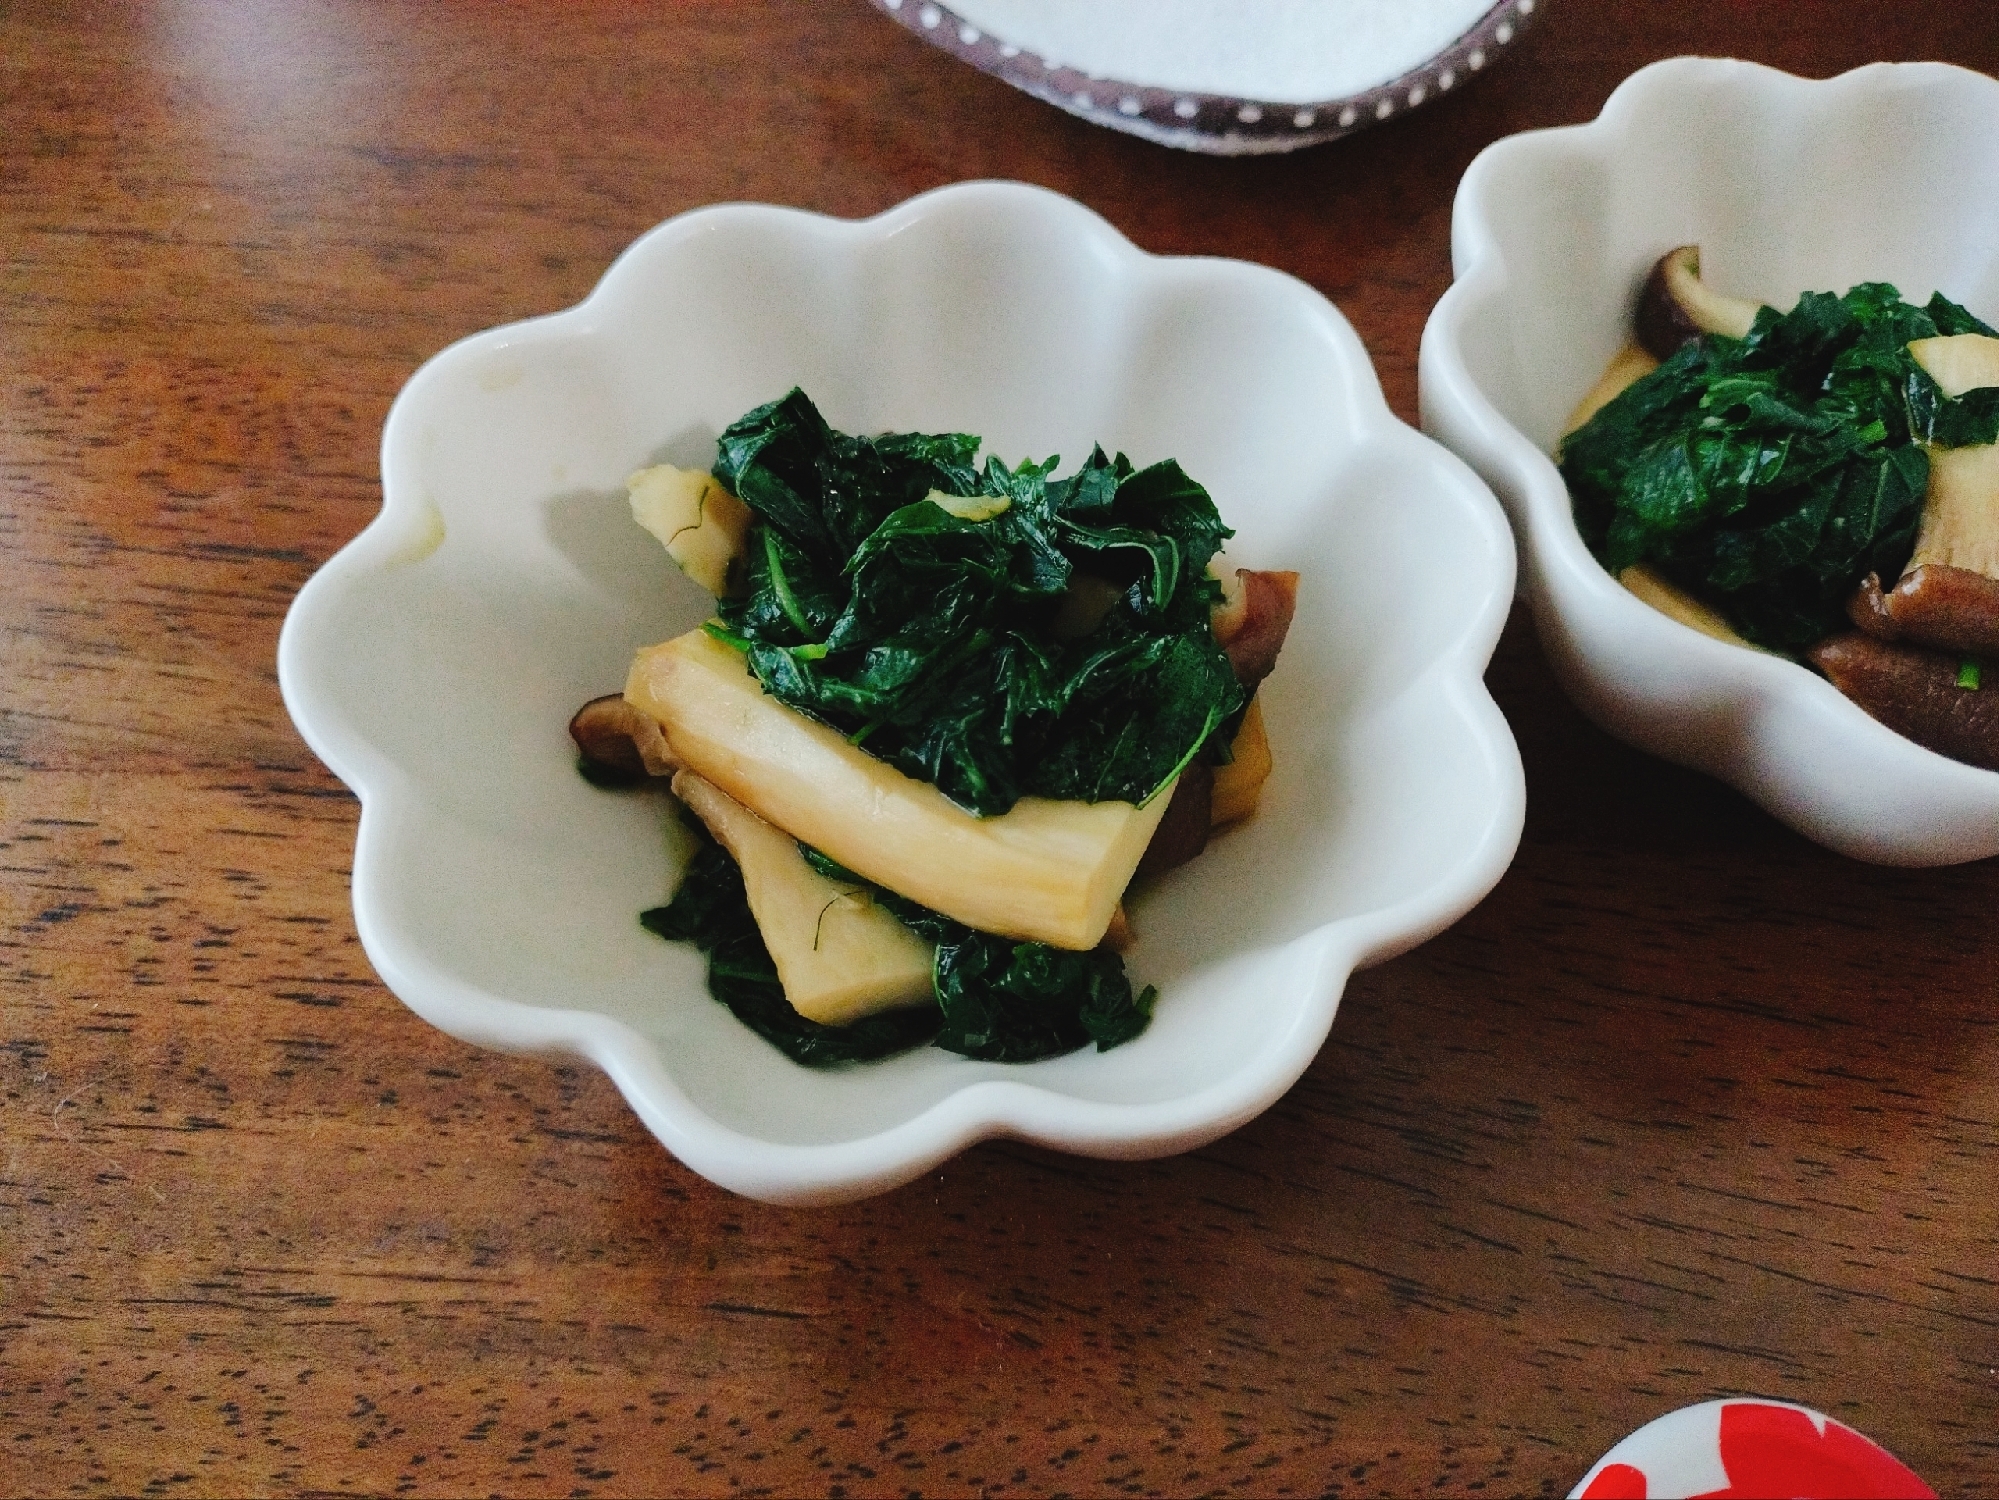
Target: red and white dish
(1749, 1450)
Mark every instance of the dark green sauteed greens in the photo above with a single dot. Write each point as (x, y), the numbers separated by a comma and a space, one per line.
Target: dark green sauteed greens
(1034, 636)
(1770, 474)
(933, 639)
(997, 999)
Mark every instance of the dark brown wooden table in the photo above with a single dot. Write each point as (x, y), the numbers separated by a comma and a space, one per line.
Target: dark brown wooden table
(1687, 1107)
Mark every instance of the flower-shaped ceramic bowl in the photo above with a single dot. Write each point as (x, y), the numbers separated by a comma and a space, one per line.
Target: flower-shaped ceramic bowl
(1887, 173)
(434, 662)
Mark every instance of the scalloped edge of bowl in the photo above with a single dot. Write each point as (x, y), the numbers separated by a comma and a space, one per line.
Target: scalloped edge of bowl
(830, 1173)
(1754, 720)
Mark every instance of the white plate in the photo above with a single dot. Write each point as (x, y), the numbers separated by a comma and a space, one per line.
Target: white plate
(1226, 77)
(1887, 173)
(434, 662)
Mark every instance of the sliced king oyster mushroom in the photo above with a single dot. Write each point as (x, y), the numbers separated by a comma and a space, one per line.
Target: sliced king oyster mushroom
(1677, 307)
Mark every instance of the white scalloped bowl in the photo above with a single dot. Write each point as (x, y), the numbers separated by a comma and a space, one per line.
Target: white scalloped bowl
(1887, 173)
(434, 662)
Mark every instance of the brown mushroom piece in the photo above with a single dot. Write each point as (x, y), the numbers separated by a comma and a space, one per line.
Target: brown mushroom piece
(1183, 832)
(619, 745)
(1917, 693)
(1950, 609)
(1120, 936)
(1253, 620)
(1251, 624)
(1676, 307)
(1948, 596)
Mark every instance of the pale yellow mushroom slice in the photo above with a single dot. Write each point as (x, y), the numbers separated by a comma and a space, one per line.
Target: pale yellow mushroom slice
(703, 527)
(1239, 784)
(1627, 367)
(1046, 871)
(1959, 362)
(1960, 527)
(839, 955)
(1670, 599)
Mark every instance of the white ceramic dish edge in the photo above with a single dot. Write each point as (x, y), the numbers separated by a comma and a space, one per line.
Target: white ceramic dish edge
(408, 528)
(1778, 732)
(1210, 123)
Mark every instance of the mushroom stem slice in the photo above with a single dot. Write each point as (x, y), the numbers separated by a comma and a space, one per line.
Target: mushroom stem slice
(1239, 784)
(1046, 871)
(839, 956)
(1627, 367)
(1670, 599)
(1960, 525)
(703, 527)
(1677, 307)
(1958, 362)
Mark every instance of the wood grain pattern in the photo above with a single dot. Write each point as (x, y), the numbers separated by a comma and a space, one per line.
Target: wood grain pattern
(1687, 1107)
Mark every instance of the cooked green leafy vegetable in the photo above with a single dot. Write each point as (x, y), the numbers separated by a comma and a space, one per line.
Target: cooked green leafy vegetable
(927, 633)
(1770, 474)
(998, 1000)
(996, 632)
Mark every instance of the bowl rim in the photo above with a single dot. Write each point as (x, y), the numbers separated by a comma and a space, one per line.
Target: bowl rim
(1216, 124)
(821, 1173)
(1585, 618)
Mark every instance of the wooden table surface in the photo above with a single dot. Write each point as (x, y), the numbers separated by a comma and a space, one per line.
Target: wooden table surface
(1687, 1107)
